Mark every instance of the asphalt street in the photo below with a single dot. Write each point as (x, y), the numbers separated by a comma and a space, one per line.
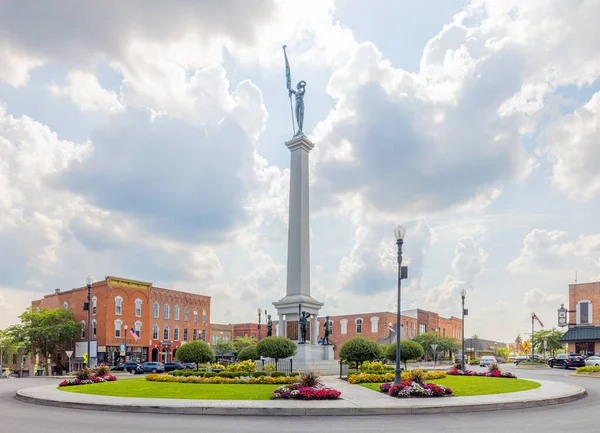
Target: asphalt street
(16, 416)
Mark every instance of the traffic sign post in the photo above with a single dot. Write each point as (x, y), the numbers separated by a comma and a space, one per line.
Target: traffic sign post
(434, 346)
(69, 354)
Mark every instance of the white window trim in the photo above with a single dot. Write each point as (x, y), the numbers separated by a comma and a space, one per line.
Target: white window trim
(140, 302)
(167, 311)
(176, 333)
(203, 316)
(166, 333)
(138, 326)
(94, 328)
(374, 324)
(176, 312)
(590, 312)
(117, 305)
(344, 326)
(66, 305)
(156, 310)
(362, 324)
(157, 333)
(94, 305)
(118, 323)
(195, 315)
(83, 329)
(186, 314)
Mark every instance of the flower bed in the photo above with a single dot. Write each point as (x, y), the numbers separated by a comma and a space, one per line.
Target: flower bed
(409, 388)
(388, 377)
(265, 380)
(92, 379)
(298, 392)
(497, 373)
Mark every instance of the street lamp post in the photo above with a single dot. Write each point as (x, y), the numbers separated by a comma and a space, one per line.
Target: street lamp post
(259, 311)
(532, 339)
(463, 293)
(125, 327)
(402, 273)
(88, 282)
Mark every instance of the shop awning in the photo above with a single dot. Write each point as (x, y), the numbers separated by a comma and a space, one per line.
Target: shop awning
(582, 333)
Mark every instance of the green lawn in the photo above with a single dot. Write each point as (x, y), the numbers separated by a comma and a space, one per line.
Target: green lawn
(472, 385)
(192, 391)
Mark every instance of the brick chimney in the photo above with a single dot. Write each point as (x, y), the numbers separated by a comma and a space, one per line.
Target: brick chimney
(56, 291)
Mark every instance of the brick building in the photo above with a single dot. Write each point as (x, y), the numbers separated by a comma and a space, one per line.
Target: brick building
(221, 332)
(381, 326)
(583, 334)
(161, 319)
(249, 330)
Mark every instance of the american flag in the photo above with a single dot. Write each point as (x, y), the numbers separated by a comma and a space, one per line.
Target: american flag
(390, 327)
(133, 333)
(538, 319)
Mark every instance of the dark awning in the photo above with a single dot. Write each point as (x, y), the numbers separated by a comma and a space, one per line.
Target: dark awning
(582, 333)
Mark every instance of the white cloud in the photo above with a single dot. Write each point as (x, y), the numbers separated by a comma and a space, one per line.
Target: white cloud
(572, 145)
(85, 92)
(15, 65)
(535, 298)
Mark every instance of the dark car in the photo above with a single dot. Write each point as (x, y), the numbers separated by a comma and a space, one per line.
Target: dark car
(171, 366)
(153, 367)
(567, 361)
(133, 367)
(120, 367)
(189, 365)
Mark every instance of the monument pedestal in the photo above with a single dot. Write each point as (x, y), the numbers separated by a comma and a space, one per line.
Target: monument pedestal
(318, 358)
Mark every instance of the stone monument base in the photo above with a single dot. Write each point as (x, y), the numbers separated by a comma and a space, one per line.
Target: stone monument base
(318, 358)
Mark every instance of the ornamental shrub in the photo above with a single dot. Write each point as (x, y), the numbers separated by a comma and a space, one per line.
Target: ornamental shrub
(278, 374)
(228, 374)
(310, 379)
(276, 348)
(360, 349)
(242, 367)
(259, 374)
(474, 361)
(408, 350)
(84, 374)
(375, 367)
(417, 376)
(294, 374)
(248, 353)
(587, 370)
(195, 351)
(101, 369)
(209, 374)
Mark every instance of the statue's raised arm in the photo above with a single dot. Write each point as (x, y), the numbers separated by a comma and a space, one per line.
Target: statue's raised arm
(299, 94)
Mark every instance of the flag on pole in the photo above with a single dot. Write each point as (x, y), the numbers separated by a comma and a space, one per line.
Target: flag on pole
(390, 327)
(538, 319)
(133, 333)
(288, 74)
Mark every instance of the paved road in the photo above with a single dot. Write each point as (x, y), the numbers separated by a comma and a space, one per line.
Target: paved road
(16, 416)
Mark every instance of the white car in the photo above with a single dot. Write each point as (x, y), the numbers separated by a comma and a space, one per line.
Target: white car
(593, 361)
(487, 360)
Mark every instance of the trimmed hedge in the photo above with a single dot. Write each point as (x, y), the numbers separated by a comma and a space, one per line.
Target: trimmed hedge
(474, 361)
(259, 374)
(588, 370)
(228, 374)
(294, 374)
(278, 374)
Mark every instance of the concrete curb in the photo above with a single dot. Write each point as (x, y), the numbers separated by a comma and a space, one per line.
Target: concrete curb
(330, 407)
(595, 376)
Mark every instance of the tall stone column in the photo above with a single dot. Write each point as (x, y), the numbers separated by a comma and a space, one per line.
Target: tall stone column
(314, 329)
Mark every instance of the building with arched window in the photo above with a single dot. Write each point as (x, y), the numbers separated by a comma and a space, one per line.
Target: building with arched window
(118, 303)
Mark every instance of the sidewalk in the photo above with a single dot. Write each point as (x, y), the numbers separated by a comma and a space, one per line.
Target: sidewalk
(356, 400)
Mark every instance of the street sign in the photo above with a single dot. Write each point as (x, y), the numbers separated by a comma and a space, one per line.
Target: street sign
(122, 348)
(545, 344)
(69, 353)
(434, 346)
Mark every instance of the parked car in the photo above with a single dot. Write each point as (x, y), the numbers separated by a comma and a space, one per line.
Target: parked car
(593, 361)
(567, 361)
(153, 367)
(190, 365)
(119, 367)
(484, 361)
(133, 368)
(528, 358)
(170, 366)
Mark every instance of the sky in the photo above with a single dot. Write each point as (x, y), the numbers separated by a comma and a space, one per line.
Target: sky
(145, 140)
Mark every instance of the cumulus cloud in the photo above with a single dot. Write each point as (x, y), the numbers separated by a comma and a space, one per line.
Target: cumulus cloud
(554, 250)
(572, 145)
(538, 298)
(86, 93)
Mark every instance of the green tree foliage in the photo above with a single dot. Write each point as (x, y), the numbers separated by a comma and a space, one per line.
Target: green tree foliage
(248, 353)
(360, 349)
(445, 344)
(409, 349)
(276, 348)
(46, 332)
(195, 351)
(502, 352)
(240, 343)
(552, 337)
(8, 347)
(224, 347)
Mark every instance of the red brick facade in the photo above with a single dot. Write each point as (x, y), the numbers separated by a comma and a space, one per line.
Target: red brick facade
(221, 332)
(249, 330)
(584, 302)
(118, 303)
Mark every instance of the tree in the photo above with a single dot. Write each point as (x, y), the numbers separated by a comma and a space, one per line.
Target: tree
(360, 349)
(475, 337)
(409, 349)
(249, 352)
(444, 344)
(45, 331)
(224, 347)
(552, 338)
(7, 347)
(240, 343)
(501, 352)
(195, 351)
(276, 348)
